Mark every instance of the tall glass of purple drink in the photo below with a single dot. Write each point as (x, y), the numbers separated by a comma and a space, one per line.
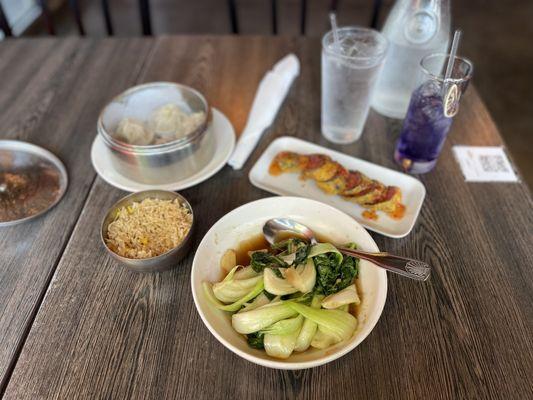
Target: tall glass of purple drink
(430, 114)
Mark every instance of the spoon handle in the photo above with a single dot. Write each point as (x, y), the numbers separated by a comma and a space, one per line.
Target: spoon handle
(408, 267)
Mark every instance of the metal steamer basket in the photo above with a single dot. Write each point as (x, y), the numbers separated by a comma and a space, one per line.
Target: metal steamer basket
(158, 163)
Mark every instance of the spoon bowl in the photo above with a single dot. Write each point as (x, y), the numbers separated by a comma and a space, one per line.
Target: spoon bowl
(274, 227)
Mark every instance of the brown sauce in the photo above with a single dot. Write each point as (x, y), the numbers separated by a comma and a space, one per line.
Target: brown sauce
(254, 243)
(27, 192)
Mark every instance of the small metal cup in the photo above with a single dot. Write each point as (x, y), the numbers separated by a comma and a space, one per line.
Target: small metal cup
(162, 262)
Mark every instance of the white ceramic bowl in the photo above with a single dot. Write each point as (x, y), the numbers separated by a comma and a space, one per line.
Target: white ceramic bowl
(247, 221)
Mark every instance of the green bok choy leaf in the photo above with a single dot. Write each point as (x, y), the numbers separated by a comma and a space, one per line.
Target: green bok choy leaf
(303, 277)
(289, 325)
(280, 346)
(277, 285)
(261, 260)
(346, 296)
(262, 317)
(309, 328)
(339, 324)
(254, 292)
(259, 301)
(232, 289)
(334, 272)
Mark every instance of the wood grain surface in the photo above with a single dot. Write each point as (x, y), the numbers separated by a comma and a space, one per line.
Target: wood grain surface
(51, 92)
(102, 332)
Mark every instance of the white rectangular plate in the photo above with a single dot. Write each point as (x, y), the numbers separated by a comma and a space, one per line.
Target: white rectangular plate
(413, 191)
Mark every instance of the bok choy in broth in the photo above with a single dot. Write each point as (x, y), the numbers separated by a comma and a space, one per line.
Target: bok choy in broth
(290, 296)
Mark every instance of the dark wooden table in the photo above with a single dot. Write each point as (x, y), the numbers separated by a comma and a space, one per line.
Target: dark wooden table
(74, 324)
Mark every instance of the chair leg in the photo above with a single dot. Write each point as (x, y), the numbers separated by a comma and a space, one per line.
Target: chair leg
(4, 24)
(47, 17)
(303, 16)
(376, 7)
(233, 19)
(144, 6)
(107, 17)
(274, 5)
(77, 16)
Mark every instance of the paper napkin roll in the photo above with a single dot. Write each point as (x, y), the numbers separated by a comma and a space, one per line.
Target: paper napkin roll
(270, 94)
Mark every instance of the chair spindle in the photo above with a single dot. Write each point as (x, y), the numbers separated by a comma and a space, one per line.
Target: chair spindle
(4, 24)
(144, 6)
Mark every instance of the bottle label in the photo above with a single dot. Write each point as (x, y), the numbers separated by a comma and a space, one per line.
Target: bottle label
(451, 100)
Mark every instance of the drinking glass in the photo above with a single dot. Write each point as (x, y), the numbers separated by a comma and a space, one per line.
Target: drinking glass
(350, 69)
(432, 107)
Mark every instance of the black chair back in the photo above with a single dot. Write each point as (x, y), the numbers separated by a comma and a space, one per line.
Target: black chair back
(144, 11)
(144, 8)
(333, 5)
(4, 25)
(234, 20)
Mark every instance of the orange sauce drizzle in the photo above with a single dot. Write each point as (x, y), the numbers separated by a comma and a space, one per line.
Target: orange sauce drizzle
(370, 214)
(398, 212)
(274, 168)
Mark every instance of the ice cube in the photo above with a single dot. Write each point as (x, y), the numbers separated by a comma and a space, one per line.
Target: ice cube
(352, 51)
(346, 44)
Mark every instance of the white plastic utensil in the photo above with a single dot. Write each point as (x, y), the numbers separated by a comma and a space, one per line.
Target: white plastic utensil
(268, 99)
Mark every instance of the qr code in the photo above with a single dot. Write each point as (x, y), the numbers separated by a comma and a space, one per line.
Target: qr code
(493, 163)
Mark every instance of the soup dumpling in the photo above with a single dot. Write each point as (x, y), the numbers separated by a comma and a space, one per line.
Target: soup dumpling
(132, 131)
(167, 120)
(190, 123)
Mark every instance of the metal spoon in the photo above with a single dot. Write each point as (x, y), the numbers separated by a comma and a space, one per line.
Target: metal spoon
(404, 266)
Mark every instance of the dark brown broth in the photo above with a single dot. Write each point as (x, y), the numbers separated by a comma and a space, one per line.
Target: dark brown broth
(254, 243)
(258, 242)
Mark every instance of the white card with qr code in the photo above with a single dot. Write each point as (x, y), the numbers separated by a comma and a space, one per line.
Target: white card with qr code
(484, 164)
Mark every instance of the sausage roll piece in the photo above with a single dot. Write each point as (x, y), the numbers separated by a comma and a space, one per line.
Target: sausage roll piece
(320, 168)
(337, 184)
(374, 191)
(356, 184)
(287, 161)
(389, 202)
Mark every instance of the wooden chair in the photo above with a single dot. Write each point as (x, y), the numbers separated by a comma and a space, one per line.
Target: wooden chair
(232, 9)
(144, 8)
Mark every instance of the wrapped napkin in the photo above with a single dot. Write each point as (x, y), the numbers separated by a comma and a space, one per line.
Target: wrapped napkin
(270, 94)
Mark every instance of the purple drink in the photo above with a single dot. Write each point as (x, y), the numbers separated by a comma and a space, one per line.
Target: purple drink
(430, 113)
(424, 130)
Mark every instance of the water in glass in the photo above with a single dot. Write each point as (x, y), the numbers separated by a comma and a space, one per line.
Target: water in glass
(349, 73)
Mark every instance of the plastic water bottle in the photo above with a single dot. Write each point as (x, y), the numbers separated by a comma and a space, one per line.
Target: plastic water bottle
(414, 28)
